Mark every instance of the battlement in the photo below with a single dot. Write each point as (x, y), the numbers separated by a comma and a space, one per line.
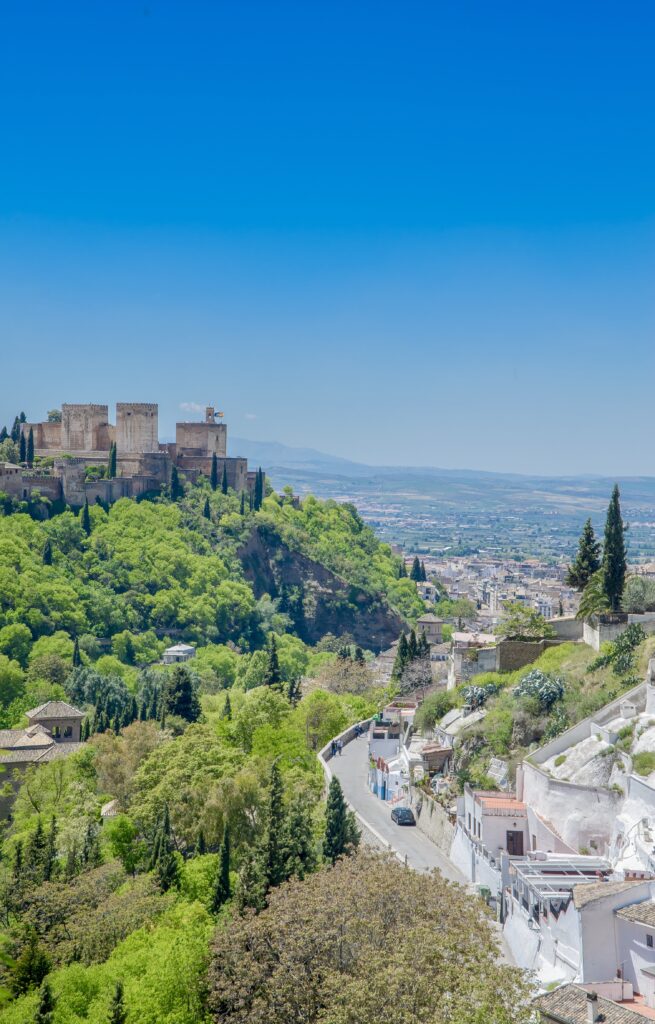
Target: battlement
(89, 407)
(149, 407)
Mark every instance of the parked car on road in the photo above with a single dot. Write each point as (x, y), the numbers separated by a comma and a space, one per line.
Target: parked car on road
(403, 816)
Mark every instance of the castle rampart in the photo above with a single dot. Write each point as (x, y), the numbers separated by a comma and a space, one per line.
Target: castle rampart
(84, 428)
(137, 427)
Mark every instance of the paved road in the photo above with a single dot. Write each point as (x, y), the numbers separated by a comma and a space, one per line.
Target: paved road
(421, 852)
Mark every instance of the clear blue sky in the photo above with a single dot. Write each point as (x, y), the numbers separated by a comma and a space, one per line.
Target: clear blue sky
(414, 232)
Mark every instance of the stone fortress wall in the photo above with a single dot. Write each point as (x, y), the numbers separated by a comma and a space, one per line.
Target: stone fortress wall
(84, 437)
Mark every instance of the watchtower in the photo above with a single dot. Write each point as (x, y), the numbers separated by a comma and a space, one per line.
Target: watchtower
(137, 427)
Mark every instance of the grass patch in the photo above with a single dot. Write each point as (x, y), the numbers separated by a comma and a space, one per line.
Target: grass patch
(644, 763)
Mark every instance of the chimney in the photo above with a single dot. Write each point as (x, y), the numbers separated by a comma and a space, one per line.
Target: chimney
(592, 1008)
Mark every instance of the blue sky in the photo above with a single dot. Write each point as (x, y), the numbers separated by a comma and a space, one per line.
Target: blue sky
(416, 233)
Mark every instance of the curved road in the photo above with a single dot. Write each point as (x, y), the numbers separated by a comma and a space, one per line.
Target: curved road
(422, 854)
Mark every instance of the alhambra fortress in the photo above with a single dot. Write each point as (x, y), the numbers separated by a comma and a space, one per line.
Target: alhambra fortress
(67, 451)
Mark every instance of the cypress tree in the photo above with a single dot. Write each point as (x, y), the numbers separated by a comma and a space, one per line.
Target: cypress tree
(86, 518)
(181, 697)
(22, 418)
(134, 710)
(226, 713)
(242, 510)
(31, 965)
(587, 559)
(177, 490)
(117, 1011)
(30, 448)
(86, 730)
(77, 658)
(402, 569)
(273, 676)
(206, 511)
(300, 848)
(47, 553)
(402, 657)
(15, 431)
(45, 1011)
(359, 656)
(213, 479)
(423, 647)
(111, 469)
(168, 872)
(614, 553)
(294, 693)
(222, 891)
(424, 575)
(4, 434)
(251, 888)
(258, 496)
(50, 853)
(35, 855)
(341, 832)
(274, 868)
(224, 479)
(412, 646)
(18, 860)
(201, 845)
(22, 448)
(415, 572)
(251, 501)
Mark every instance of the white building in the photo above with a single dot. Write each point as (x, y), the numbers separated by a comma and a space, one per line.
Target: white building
(178, 652)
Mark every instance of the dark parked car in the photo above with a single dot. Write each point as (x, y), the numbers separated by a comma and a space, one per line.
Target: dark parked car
(403, 816)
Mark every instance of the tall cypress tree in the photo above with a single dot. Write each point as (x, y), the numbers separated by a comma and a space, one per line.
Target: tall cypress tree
(30, 448)
(222, 891)
(207, 513)
(50, 853)
(15, 431)
(402, 657)
(402, 569)
(224, 479)
(587, 559)
(275, 830)
(111, 470)
(47, 553)
(415, 572)
(35, 854)
(22, 448)
(77, 658)
(273, 676)
(300, 848)
(341, 832)
(226, 713)
(117, 1011)
(614, 553)
(412, 646)
(242, 510)
(213, 479)
(86, 518)
(258, 495)
(4, 434)
(177, 490)
(45, 1010)
(424, 575)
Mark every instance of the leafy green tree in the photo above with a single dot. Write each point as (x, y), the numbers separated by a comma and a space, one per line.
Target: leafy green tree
(86, 518)
(77, 659)
(224, 487)
(587, 560)
(213, 479)
(222, 889)
(341, 833)
(117, 1011)
(45, 1011)
(614, 553)
(111, 469)
(181, 696)
(30, 448)
(124, 842)
(402, 569)
(31, 965)
(226, 713)
(521, 623)
(242, 507)
(251, 887)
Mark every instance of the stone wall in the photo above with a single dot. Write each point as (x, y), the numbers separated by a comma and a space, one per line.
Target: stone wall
(567, 627)
(84, 428)
(201, 438)
(432, 819)
(515, 654)
(137, 427)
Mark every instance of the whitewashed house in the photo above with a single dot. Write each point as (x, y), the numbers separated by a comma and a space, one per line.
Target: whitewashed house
(177, 653)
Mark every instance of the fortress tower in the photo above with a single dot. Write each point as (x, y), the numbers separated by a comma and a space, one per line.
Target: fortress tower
(137, 427)
(85, 428)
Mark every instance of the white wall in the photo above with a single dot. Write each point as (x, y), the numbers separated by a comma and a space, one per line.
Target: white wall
(602, 957)
(546, 839)
(580, 814)
(633, 951)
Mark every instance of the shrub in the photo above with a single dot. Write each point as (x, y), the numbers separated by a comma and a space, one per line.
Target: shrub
(644, 763)
(559, 760)
(546, 689)
(638, 595)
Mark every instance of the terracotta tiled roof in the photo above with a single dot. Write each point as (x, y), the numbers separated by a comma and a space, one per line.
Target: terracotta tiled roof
(590, 892)
(643, 913)
(499, 802)
(568, 1005)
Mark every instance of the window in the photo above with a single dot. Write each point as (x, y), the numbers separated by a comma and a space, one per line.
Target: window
(649, 941)
(469, 821)
(56, 730)
(68, 732)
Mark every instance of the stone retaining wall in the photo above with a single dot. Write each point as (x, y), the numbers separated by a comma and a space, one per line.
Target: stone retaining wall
(432, 819)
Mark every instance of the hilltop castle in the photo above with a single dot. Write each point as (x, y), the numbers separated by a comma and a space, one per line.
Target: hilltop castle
(73, 452)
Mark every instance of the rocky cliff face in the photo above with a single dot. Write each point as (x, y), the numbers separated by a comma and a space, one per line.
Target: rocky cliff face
(320, 601)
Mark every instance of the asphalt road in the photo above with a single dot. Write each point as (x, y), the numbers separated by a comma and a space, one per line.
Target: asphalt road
(409, 841)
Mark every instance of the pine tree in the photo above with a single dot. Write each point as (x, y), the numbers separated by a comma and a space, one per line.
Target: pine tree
(117, 1011)
(341, 833)
(587, 559)
(226, 713)
(30, 448)
(222, 891)
(300, 846)
(207, 513)
(177, 490)
(31, 965)
(242, 510)
(224, 479)
(47, 553)
(113, 458)
(614, 553)
(274, 867)
(181, 696)
(273, 677)
(213, 477)
(86, 518)
(22, 448)
(415, 572)
(45, 1010)
(77, 658)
